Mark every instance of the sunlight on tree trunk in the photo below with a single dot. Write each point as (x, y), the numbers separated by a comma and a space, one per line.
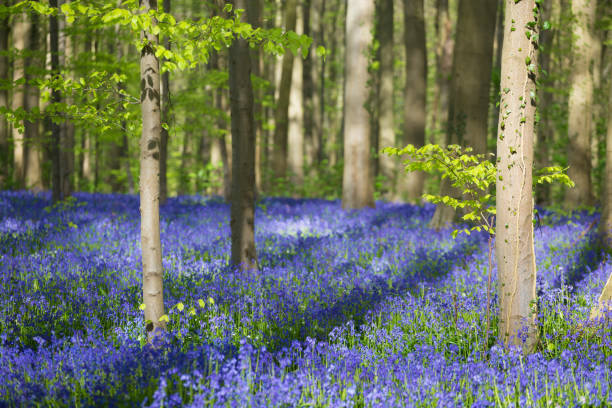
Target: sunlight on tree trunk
(152, 270)
(295, 153)
(357, 188)
(514, 226)
(21, 29)
(387, 164)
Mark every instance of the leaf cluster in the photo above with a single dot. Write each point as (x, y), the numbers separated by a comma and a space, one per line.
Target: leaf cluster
(472, 174)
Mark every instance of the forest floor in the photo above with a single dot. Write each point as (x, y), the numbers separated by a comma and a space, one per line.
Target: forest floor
(362, 308)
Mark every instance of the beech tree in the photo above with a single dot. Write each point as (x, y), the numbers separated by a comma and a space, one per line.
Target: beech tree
(580, 119)
(604, 303)
(243, 153)
(152, 270)
(357, 189)
(281, 116)
(469, 94)
(514, 246)
(21, 30)
(387, 164)
(415, 93)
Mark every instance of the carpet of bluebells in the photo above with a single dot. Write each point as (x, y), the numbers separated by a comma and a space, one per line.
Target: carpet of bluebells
(348, 309)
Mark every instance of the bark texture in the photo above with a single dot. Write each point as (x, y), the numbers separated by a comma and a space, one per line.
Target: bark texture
(152, 271)
(410, 185)
(33, 166)
(469, 93)
(514, 227)
(357, 188)
(242, 215)
(387, 165)
(281, 116)
(580, 119)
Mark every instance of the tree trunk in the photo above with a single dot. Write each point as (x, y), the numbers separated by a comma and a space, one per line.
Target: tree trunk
(319, 98)
(410, 185)
(21, 30)
(67, 127)
(357, 189)
(514, 232)
(310, 99)
(444, 63)
(243, 150)
(33, 168)
(581, 104)
(165, 117)
(604, 303)
(56, 158)
(152, 270)
(296, 114)
(255, 18)
(545, 130)
(386, 127)
(469, 93)
(281, 121)
(5, 30)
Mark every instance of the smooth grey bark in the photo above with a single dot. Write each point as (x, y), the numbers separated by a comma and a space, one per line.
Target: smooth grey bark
(604, 302)
(21, 30)
(469, 94)
(295, 145)
(580, 120)
(152, 269)
(242, 212)
(386, 126)
(514, 246)
(281, 116)
(357, 188)
(165, 117)
(410, 185)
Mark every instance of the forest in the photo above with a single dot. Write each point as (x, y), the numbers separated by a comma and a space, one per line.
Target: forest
(306, 203)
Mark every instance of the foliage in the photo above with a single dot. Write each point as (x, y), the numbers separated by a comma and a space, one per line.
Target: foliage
(471, 174)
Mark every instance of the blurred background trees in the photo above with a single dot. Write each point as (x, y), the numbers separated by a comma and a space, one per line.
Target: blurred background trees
(433, 73)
